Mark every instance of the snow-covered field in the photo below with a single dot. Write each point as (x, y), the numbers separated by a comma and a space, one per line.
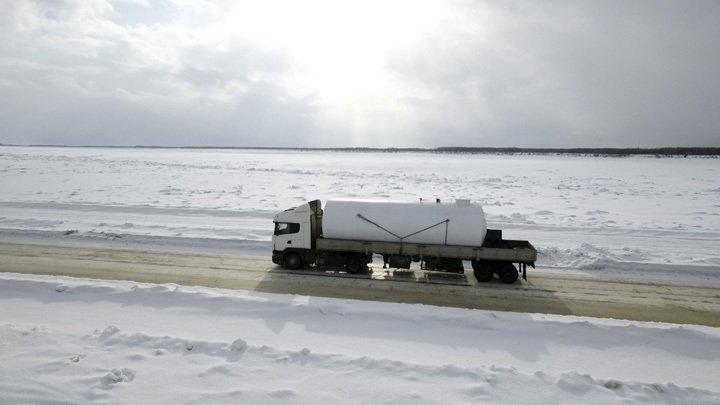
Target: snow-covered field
(80, 341)
(67, 340)
(629, 216)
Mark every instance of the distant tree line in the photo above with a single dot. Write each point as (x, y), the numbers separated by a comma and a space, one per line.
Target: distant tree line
(666, 151)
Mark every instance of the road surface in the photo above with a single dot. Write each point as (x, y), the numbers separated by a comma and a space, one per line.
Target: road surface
(541, 293)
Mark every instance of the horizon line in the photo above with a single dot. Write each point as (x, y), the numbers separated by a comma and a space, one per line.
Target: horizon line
(665, 150)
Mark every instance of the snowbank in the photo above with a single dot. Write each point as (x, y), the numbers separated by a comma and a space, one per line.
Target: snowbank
(79, 341)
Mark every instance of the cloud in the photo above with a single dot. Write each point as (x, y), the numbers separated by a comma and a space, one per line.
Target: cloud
(576, 73)
(408, 73)
(95, 81)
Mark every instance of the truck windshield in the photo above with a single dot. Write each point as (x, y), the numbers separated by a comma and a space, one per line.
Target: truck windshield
(284, 228)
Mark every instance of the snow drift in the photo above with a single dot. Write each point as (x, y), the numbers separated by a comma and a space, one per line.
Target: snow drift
(65, 340)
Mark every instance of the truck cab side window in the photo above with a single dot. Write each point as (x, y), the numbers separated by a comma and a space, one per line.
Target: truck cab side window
(284, 228)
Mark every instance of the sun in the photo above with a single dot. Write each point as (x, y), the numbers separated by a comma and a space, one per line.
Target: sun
(339, 49)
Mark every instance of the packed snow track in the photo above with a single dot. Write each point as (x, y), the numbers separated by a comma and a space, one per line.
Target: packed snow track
(541, 293)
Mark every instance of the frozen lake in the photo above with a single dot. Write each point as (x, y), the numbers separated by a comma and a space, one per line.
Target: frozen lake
(583, 213)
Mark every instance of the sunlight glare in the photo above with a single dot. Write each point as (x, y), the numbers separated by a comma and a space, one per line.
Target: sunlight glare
(338, 48)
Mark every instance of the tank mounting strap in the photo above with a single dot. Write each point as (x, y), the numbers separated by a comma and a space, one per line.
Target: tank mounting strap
(446, 222)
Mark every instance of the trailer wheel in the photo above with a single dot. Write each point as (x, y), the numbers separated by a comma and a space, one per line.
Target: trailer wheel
(293, 261)
(355, 265)
(482, 271)
(508, 273)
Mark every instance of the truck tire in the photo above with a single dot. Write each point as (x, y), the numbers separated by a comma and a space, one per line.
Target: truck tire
(508, 273)
(483, 272)
(355, 265)
(293, 261)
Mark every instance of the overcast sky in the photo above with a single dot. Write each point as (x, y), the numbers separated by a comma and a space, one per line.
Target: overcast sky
(360, 73)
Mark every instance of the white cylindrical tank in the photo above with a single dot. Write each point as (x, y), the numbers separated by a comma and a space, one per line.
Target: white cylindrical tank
(460, 223)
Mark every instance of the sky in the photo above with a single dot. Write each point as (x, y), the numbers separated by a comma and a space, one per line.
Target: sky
(368, 73)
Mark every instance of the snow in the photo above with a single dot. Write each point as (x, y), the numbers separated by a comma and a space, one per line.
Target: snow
(596, 215)
(78, 341)
(65, 340)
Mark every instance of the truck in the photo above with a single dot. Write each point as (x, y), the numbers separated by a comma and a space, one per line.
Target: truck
(440, 236)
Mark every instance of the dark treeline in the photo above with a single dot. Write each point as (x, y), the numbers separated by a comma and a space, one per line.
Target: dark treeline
(666, 151)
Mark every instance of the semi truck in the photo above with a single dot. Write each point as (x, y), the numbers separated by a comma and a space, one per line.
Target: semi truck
(439, 236)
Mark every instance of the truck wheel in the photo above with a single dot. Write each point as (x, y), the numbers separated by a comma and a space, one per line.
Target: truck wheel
(508, 273)
(483, 272)
(355, 265)
(293, 261)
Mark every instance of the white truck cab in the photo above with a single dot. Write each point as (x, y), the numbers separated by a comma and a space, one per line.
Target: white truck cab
(293, 232)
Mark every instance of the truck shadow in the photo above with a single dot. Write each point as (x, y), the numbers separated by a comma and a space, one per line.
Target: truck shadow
(416, 286)
(515, 319)
(378, 273)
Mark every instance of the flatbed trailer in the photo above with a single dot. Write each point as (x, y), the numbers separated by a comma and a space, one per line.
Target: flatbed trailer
(502, 251)
(518, 251)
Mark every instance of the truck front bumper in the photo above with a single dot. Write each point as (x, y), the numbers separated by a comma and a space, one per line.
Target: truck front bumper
(278, 257)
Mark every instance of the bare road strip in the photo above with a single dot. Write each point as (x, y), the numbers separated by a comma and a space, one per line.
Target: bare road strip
(541, 293)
